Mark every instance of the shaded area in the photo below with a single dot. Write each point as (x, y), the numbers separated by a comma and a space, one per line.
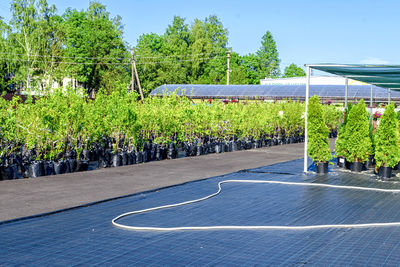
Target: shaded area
(86, 236)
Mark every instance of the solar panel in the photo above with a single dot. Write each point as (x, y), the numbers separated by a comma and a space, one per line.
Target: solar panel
(274, 91)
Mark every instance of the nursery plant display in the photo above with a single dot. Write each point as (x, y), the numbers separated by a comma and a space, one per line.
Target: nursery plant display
(318, 136)
(357, 141)
(386, 143)
(66, 131)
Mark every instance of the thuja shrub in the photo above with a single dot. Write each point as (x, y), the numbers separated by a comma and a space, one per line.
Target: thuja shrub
(318, 133)
(341, 149)
(357, 140)
(386, 139)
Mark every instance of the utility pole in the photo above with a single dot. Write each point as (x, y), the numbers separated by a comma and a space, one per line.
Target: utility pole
(228, 56)
(134, 72)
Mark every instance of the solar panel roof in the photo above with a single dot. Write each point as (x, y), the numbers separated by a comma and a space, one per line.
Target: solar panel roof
(274, 91)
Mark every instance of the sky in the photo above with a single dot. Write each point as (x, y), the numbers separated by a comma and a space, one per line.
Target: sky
(305, 31)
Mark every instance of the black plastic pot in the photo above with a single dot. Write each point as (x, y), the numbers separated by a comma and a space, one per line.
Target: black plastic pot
(131, 158)
(385, 172)
(159, 152)
(9, 172)
(322, 167)
(356, 166)
(82, 165)
(124, 158)
(36, 169)
(370, 163)
(60, 167)
(116, 160)
(171, 152)
(218, 148)
(49, 167)
(341, 162)
(234, 146)
(139, 157)
(199, 150)
(72, 164)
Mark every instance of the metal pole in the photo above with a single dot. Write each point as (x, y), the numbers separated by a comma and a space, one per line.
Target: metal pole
(389, 96)
(305, 120)
(346, 91)
(227, 70)
(370, 102)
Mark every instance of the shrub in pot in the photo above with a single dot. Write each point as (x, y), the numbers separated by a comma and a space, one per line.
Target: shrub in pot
(357, 140)
(386, 143)
(341, 139)
(318, 136)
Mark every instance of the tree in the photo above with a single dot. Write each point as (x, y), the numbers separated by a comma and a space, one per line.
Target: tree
(318, 133)
(95, 53)
(294, 71)
(183, 54)
(4, 67)
(386, 139)
(28, 38)
(357, 139)
(268, 57)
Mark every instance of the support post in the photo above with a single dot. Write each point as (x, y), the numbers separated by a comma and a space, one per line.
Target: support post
(133, 74)
(389, 91)
(305, 120)
(370, 102)
(136, 74)
(228, 56)
(346, 91)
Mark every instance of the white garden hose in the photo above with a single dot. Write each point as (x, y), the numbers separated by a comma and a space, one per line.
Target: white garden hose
(255, 227)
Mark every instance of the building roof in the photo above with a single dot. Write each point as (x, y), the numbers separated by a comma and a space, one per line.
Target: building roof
(275, 91)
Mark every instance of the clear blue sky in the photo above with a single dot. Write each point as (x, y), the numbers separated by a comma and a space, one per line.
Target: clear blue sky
(307, 31)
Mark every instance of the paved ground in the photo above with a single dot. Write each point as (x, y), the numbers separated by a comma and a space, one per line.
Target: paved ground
(25, 197)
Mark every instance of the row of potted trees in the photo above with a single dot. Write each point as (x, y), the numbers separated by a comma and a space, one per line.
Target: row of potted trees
(66, 129)
(359, 144)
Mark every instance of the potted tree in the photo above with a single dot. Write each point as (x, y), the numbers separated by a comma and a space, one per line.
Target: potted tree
(341, 139)
(318, 136)
(386, 143)
(358, 142)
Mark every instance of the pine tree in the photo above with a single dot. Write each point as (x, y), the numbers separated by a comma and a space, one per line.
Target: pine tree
(268, 57)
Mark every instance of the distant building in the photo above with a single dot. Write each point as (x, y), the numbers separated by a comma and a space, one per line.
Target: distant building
(314, 80)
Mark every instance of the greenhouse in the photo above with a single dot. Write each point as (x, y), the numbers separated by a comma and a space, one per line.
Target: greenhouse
(272, 92)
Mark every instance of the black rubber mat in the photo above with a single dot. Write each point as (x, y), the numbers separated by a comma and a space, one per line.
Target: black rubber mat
(85, 236)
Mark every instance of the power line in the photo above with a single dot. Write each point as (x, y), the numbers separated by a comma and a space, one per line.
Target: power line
(106, 63)
(106, 58)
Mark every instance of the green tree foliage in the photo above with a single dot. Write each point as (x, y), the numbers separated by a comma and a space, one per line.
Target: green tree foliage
(94, 41)
(196, 53)
(4, 64)
(357, 140)
(341, 148)
(29, 40)
(386, 139)
(318, 133)
(294, 71)
(268, 57)
(43, 47)
(183, 54)
(87, 46)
